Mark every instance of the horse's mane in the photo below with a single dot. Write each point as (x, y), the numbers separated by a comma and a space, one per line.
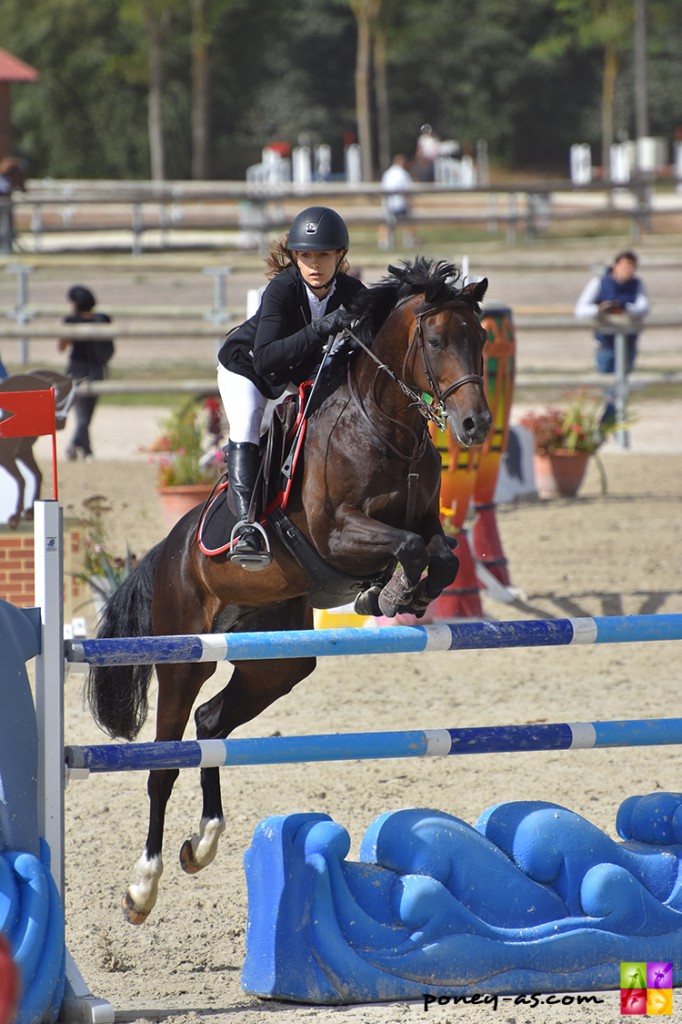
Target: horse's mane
(436, 280)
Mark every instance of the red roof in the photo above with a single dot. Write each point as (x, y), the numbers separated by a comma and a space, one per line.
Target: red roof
(14, 70)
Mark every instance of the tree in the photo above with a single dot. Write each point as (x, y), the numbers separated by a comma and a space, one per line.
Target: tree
(608, 26)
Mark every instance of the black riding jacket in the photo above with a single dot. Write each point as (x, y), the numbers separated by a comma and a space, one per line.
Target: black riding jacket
(279, 344)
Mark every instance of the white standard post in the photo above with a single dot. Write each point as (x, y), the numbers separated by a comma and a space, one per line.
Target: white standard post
(79, 1004)
(49, 574)
(622, 436)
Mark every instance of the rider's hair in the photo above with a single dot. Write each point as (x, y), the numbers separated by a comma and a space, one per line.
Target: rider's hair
(279, 258)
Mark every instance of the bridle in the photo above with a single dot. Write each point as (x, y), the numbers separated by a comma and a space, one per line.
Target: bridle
(434, 411)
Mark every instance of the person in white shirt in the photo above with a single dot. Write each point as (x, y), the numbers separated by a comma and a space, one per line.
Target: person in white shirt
(396, 182)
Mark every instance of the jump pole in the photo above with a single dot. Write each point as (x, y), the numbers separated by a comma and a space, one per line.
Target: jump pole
(321, 643)
(502, 739)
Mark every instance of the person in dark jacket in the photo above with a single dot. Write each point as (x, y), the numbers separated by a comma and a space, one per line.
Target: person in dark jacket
(87, 361)
(303, 306)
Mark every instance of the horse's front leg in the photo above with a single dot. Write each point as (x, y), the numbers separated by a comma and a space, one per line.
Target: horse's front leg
(442, 571)
(360, 539)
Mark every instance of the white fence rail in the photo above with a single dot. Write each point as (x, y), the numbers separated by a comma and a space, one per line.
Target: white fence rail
(147, 216)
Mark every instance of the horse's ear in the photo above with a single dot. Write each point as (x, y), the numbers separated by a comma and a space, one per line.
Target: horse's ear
(477, 289)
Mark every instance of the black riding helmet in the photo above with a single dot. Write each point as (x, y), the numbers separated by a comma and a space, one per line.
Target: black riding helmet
(318, 229)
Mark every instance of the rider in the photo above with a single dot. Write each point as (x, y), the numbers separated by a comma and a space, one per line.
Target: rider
(303, 305)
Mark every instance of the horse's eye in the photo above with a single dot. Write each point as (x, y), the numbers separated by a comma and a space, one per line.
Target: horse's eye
(434, 341)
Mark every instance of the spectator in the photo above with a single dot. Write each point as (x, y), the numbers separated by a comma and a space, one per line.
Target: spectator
(12, 179)
(426, 153)
(396, 182)
(618, 291)
(87, 361)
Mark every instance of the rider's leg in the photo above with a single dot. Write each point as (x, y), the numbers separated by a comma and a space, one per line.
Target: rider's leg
(244, 408)
(243, 462)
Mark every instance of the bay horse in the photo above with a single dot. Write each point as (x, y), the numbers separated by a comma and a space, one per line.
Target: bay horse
(19, 450)
(366, 499)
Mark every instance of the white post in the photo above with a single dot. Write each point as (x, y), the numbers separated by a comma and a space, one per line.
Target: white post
(621, 398)
(49, 574)
(79, 1005)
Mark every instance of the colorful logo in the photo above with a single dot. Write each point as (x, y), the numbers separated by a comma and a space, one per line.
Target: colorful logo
(646, 988)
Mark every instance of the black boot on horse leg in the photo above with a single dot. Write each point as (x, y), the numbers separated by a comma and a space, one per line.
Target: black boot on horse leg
(250, 547)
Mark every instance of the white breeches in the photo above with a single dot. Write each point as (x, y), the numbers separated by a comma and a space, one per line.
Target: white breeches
(248, 412)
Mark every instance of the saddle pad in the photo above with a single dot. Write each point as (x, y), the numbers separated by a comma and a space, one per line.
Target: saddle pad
(216, 523)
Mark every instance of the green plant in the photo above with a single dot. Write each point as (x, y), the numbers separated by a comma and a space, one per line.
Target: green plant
(184, 460)
(575, 427)
(102, 570)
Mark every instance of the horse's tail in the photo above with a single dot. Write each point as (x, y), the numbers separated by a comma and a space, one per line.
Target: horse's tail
(117, 694)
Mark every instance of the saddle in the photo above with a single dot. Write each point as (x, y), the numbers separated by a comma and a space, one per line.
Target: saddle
(281, 462)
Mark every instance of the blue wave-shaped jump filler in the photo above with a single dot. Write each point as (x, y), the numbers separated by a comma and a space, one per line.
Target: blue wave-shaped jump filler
(533, 899)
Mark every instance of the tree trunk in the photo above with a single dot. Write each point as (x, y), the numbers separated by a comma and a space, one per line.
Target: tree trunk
(157, 154)
(607, 101)
(199, 104)
(381, 88)
(361, 9)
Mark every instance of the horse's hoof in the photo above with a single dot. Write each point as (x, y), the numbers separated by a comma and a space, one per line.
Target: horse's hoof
(187, 860)
(130, 911)
(13, 522)
(367, 603)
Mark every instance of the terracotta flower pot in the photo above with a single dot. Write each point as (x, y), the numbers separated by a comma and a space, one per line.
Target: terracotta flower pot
(560, 473)
(180, 498)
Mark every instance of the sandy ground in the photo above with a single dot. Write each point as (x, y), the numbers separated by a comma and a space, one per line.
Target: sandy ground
(603, 554)
(597, 554)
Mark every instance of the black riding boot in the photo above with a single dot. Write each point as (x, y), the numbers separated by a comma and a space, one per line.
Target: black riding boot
(243, 462)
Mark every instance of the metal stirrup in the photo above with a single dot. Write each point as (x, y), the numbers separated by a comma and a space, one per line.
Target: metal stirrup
(250, 560)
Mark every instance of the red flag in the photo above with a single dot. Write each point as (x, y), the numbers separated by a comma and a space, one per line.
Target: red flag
(27, 413)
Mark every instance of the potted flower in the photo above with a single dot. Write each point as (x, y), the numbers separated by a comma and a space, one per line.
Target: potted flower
(565, 439)
(103, 571)
(187, 471)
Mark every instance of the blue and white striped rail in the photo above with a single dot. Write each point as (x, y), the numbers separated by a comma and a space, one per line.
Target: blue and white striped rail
(503, 739)
(320, 643)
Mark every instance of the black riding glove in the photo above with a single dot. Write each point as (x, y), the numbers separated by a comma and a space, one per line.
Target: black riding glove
(332, 323)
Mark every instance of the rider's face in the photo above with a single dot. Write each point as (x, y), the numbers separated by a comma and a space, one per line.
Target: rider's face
(317, 267)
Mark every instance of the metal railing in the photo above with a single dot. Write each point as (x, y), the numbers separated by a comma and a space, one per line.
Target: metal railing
(158, 216)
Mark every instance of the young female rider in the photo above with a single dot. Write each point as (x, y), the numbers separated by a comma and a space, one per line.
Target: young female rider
(302, 306)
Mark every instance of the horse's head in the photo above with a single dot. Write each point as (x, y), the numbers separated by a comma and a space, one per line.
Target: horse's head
(433, 341)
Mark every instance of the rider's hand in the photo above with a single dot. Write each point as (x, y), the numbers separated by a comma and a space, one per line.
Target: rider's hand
(332, 323)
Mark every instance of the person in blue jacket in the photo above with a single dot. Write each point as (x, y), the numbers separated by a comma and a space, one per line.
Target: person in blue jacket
(618, 291)
(304, 304)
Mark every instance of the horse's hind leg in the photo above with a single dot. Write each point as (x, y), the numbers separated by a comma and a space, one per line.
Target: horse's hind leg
(18, 477)
(253, 686)
(178, 689)
(26, 457)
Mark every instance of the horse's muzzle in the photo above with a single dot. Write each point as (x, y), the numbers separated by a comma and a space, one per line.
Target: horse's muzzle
(472, 428)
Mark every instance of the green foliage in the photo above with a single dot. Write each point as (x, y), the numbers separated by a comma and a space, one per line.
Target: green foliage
(184, 442)
(103, 571)
(524, 76)
(575, 427)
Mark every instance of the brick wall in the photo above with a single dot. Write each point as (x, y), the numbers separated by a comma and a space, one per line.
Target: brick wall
(17, 567)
